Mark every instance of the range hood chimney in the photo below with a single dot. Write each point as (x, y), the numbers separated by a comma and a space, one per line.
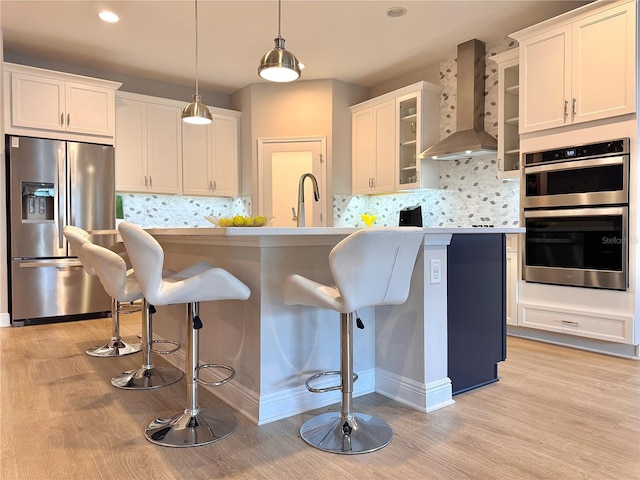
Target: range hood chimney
(470, 138)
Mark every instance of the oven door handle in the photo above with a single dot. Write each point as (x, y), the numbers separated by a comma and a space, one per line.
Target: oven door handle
(554, 167)
(577, 212)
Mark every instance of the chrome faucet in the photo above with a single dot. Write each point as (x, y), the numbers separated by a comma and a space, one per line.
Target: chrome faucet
(300, 220)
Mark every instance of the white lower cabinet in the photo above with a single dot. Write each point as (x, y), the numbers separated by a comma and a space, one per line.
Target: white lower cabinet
(148, 144)
(592, 324)
(210, 156)
(512, 278)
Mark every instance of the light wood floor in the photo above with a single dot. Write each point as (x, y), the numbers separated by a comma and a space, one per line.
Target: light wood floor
(556, 413)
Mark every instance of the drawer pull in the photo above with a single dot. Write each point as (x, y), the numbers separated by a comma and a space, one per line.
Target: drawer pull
(570, 323)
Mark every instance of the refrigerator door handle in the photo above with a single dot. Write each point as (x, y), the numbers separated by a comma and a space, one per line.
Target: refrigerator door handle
(62, 198)
(72, 263)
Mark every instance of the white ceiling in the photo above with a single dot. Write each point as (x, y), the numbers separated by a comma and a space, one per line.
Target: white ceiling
(354, 41)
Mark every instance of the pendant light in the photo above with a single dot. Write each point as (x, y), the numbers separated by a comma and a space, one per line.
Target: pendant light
(196, 112)
(278, 64)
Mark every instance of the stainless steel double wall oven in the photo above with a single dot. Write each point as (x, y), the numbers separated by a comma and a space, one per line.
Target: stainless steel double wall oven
(575, 206)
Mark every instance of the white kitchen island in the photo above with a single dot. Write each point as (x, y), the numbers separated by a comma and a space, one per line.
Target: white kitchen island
(401, 353)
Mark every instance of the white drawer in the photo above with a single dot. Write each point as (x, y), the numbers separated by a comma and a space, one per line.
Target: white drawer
(512, 242)
(603, 326)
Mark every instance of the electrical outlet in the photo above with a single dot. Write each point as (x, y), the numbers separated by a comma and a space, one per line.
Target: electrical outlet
(436, 272)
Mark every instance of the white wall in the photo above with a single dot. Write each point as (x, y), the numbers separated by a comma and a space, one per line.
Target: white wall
(298, 109)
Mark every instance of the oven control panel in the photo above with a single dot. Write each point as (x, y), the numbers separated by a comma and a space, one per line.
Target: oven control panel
(582, 152)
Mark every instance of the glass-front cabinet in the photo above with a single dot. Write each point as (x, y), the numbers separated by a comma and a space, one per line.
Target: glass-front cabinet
(408, 138)
(508, 113)
(418, 116)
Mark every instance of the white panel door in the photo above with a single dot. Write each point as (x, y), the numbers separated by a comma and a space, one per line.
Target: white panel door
(131, 145)
(604, 52)
(545, 80)
(37, 102)
(196, 159)
(225, 158)
(89, 109)
(281, 165)
(164, 137)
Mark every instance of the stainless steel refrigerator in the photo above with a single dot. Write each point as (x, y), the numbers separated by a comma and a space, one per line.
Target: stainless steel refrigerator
(50, 184)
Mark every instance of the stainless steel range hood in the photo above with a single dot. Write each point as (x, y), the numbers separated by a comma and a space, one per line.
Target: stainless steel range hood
(470, 138)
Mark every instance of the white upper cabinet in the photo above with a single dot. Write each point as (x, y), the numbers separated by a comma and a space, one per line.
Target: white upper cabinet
(374, 147)
(71, 107)
(578, 67)
(148, 144)
(210, 156)
(388, 133)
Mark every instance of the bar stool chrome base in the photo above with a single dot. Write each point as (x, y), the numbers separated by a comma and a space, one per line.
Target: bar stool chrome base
(188, 430)
(335, 433)
(115, 348)
(146, 378)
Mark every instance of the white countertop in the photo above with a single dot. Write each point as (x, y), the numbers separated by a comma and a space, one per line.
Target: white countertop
(286, 231)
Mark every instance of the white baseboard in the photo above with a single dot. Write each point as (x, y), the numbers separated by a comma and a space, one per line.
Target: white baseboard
(275, 406)
(424, 397)
(5, 320)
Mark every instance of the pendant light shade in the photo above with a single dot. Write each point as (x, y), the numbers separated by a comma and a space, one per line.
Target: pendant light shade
(196, 112)
(278, 64)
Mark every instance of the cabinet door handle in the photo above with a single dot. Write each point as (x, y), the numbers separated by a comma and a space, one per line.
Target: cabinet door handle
(62, 119)
(573, 107)
(68, 119)
(566, 108)
(150, 182)
(214, 185)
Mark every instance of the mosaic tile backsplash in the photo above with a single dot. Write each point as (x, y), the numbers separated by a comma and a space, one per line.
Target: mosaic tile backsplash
(470, 192)
(164, 211)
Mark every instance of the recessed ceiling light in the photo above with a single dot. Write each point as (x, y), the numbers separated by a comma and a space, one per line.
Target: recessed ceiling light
(396, 12)
(107, 16)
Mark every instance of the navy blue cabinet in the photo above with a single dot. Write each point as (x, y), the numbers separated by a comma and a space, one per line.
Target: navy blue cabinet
(476, 303)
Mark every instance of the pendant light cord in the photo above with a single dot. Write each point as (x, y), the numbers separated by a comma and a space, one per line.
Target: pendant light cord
(196, 15)
(279, 17)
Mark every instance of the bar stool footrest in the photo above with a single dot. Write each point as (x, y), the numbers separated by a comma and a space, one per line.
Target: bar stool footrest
(324, 374)
(219, 382)
(127, 308)
(176, 347)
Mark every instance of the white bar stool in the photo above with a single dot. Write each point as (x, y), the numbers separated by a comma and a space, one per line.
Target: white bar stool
(198, 283)
(370, 267)
(122, 285)
(115, 347)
